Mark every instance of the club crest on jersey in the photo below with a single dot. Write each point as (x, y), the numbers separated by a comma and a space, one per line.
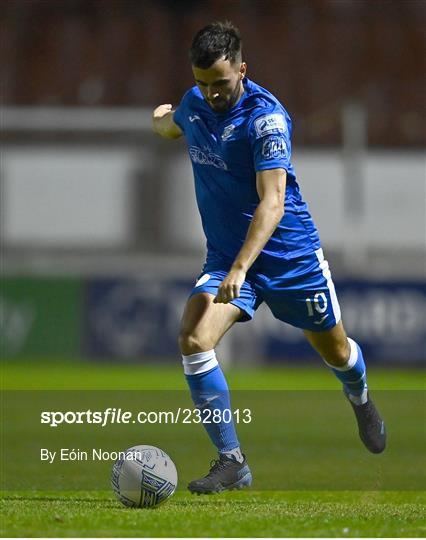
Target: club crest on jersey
(274, 147)
(227, 132)
(270, 123)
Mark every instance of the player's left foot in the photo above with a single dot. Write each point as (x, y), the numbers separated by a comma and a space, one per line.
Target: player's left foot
(371, 427)
(225, 474)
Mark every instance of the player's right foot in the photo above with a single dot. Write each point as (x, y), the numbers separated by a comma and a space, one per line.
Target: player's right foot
(371, 427)
(225, 474)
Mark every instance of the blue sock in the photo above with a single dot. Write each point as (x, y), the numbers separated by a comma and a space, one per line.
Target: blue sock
(353, 375)
(209, 392)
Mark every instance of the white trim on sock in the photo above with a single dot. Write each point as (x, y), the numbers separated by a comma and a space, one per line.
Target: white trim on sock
(197, 363)
(360, 379)
(353, 357)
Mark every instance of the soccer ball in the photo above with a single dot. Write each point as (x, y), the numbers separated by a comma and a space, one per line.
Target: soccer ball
(143, 477)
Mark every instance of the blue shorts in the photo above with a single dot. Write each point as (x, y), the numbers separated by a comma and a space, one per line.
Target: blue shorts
(299, 291)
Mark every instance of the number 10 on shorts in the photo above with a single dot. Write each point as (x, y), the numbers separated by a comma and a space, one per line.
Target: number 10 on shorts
(317, 303)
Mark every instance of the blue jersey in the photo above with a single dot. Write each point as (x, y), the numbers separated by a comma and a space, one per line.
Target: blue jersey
(226, 151)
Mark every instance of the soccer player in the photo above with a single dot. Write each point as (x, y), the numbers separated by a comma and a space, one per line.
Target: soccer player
(262, 244)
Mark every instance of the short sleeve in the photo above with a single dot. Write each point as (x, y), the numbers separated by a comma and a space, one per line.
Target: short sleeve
(181, 113)
(269, 137)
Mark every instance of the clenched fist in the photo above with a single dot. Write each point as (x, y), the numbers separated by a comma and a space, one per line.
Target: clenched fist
(163, 124)
(161, 111)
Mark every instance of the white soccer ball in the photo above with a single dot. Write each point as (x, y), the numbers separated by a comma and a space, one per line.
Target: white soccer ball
(143, 476)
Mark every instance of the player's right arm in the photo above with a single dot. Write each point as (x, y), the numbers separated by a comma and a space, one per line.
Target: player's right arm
(163, 123)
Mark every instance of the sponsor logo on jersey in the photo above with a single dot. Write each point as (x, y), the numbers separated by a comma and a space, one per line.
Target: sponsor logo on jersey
(274, 147)
(206, 157)
(270, 123)
(227, 132)
(193, 117)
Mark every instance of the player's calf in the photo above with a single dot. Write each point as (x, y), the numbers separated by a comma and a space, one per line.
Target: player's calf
(352, 374)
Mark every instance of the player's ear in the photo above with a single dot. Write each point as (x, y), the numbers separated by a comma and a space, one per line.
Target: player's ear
(243, 70)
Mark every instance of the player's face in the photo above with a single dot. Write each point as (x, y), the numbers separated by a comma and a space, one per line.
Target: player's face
(221, 84)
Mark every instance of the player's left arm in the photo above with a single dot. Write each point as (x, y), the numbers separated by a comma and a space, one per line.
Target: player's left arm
(270, 186)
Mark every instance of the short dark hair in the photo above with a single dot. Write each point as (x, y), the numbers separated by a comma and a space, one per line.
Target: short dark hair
(214, 41)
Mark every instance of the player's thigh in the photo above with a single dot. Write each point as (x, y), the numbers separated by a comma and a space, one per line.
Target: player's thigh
(204, 323)
(304, 296)
(331, 344)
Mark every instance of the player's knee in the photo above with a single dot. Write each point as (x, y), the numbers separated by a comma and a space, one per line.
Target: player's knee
(338, 356)
(191, 343)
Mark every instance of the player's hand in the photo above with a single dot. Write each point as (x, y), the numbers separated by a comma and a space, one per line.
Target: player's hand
(163, 123)
(161, 111)
(230, 287)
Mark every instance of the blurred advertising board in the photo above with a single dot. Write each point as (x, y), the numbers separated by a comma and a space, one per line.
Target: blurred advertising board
(135, 318)
(138, 319)
(130, 318)
(40, 317)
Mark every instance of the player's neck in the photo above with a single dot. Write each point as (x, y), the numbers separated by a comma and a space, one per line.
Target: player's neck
(239, 94)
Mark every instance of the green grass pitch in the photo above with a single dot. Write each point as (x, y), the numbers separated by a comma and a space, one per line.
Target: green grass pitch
(257, 512)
